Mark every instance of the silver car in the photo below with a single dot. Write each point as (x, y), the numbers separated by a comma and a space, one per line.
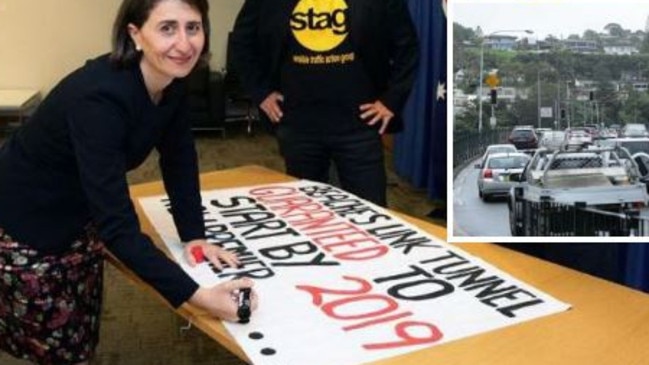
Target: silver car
(635, 130)
(633, 145)
(553, 140)
(577, 138)
(493, 178)
(495, 148)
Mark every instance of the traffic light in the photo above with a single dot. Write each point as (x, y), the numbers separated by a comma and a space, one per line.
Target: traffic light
(494, 97)
(563, 113)
(591, 96)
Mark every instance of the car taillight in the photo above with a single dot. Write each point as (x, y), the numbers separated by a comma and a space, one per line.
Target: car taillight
(487, 173)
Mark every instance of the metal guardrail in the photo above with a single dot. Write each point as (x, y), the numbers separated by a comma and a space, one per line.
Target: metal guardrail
(546, 218)
(468, 146)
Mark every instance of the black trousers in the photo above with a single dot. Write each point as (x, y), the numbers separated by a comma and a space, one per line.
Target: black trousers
(357, 155)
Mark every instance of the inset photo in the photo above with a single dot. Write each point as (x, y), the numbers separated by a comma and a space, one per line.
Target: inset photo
(549, 121)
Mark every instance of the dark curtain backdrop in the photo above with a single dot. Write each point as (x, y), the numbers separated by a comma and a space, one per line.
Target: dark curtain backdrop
(636, 272)
(623, 263)
(420, 151)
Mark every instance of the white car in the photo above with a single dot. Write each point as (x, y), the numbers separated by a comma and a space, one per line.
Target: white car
(633, 145)
(553, 140)
(635, 130)
(493, 178)
(495, 148)
(577, 138)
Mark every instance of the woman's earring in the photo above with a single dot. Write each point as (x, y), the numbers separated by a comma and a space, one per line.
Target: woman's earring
(138, 48)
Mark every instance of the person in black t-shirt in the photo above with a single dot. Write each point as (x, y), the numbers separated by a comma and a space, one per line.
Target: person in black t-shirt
(332, 76)
(64, 193)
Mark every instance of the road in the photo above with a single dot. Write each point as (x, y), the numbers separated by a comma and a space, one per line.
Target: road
(472, 216)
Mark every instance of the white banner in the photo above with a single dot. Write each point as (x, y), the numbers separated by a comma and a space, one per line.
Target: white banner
(342, 281)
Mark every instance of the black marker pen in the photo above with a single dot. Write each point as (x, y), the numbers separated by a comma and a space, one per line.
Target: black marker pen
(244, 305)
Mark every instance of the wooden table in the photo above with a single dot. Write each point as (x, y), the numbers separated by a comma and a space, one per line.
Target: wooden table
(18, 102)
(608, 323)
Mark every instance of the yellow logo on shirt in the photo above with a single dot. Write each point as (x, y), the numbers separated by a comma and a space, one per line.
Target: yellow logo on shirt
(320, 25)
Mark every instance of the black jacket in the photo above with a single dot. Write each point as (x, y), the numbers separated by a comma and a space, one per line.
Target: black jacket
(381, 30)
(66, 167)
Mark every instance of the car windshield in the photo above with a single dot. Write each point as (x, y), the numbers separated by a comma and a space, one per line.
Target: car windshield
(636, 146)
(500, 149)
(635, 128)
(553, 135)
(522, 133)
(509, 162)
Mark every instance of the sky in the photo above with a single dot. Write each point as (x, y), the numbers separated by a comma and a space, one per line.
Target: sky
(559, 18)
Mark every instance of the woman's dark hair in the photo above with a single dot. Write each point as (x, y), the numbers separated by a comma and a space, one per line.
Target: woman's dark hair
(137, 12)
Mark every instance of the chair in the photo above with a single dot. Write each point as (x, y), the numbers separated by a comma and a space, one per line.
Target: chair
(206, 100)
(239, 106)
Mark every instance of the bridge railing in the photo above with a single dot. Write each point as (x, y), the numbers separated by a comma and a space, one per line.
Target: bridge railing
(469, 146)
(546, 218)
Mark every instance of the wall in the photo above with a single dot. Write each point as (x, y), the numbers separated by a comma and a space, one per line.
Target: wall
(222, 15)
(43, 40)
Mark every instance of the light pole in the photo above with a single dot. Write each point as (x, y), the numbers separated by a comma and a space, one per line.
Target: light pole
(480, 77)
(538, 85)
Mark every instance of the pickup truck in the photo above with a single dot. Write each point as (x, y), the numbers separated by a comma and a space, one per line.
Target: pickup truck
(589, 191)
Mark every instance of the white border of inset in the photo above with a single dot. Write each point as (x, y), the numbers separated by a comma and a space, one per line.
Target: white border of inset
(451, 237)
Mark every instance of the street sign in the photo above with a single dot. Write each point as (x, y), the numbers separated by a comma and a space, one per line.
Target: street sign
(546, 112)
(492, 80)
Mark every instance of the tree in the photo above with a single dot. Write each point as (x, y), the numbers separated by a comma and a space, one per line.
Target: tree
(558, 69)
(644, 46)
(464, 39)
(614, 29)
(463, 34)
(523, 111)
(635, 108)
(467, 122)
(591, 35)
(608, 102)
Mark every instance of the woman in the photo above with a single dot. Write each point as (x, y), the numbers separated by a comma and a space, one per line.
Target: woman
(64, 194)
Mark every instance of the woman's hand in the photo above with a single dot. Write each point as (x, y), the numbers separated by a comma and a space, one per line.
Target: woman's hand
(221, 300)
(215, 254)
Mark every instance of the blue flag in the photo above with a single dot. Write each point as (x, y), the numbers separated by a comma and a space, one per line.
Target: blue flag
(437, 171)
(420, 151)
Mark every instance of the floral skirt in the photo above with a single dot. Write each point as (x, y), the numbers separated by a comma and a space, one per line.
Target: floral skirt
(50, 305)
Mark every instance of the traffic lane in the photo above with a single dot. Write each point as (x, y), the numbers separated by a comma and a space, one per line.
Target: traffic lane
(472, 216)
